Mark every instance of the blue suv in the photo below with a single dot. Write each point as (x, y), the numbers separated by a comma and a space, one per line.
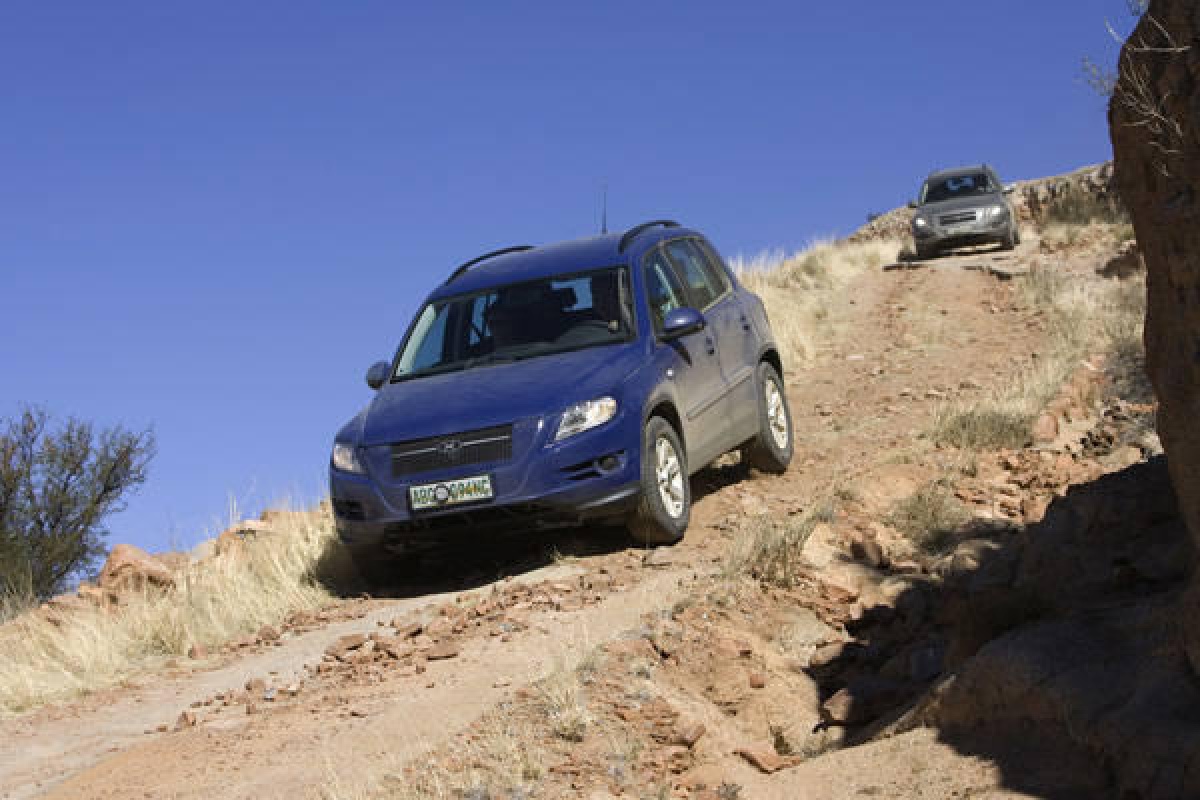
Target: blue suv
(546, 387)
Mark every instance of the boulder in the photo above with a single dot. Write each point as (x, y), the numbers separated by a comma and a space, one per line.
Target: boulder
(1154, 120)
(233, 539)
(130, 567)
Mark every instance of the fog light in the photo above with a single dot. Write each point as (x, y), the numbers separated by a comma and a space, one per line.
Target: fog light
(608, 463)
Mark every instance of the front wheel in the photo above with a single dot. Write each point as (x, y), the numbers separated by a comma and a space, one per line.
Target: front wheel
(771, 449)
(1009, 242)
(666, 503)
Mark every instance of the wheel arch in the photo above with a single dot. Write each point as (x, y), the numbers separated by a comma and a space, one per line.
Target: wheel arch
(772, 357)
(665, 407)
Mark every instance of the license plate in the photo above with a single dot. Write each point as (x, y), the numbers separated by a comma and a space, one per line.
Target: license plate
(450, 493)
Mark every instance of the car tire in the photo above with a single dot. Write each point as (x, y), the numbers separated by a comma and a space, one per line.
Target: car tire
(771, 448)
(666, 502)
(1009, 242)
(926, 252)
(1016, 234)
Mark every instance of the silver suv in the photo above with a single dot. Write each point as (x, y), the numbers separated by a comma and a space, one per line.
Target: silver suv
(963, 207)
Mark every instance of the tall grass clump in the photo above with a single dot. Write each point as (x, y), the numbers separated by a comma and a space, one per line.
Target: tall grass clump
(1078, 207)
(769, 547)
(798, 288)
(929, 516)
(51, 657)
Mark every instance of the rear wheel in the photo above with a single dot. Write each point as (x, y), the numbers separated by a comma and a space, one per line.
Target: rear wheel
(666, 503)
(771, 449)
(926, 252)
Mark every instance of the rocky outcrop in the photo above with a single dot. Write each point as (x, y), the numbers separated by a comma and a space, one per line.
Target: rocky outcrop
(129, 567)
(1155, 125)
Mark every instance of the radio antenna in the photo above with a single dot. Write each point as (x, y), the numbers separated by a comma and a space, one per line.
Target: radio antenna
(604, 210)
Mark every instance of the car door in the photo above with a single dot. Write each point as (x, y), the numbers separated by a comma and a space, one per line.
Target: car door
(695, 365)
(711, 292)
(739, 346)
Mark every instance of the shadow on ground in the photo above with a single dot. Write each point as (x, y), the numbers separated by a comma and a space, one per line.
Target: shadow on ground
(1051, 650)
(468, 562)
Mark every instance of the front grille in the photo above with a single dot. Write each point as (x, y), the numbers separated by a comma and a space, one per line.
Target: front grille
(456, 450)
(956, 218)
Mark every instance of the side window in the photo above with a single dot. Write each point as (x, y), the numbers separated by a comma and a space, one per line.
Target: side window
(694, 271)
(716, 266)
(663, 293)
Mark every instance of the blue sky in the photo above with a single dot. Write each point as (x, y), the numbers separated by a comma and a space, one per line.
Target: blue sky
(214, 216)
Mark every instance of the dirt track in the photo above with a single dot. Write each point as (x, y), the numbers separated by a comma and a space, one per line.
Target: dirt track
(897, 345)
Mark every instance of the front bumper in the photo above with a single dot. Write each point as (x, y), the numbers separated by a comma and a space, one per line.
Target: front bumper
(594, 475)
(984, 230)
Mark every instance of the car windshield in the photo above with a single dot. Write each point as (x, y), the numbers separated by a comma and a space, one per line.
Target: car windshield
(956, 186)
(522, 320)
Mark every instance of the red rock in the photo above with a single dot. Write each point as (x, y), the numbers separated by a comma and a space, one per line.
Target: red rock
(1045, 429)
(345, 644)
(827, 654)
(187, 719)
(130, 567)
(268, 633)
(100, 598)
(442, 651)
(407, 630)
(688, 734)
(764, 758)
(757, 680)
(197, 651)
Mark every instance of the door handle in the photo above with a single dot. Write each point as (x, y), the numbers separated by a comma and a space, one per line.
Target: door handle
(710, 345)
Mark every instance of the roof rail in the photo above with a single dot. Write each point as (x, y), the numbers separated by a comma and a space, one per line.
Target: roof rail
(636, 231)
(517, 249)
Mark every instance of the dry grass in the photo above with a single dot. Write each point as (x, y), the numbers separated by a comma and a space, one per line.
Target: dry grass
(561, 698)
(1078, 208)
(796, 289)
(929, 516)
(505, 752)
(1086, 315)
(45, 659)
(769, 547)
(501, 758)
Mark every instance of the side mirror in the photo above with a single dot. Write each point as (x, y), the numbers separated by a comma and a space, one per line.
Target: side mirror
(681, 322)
(1010, 188)
(377, 374)
(912, 203)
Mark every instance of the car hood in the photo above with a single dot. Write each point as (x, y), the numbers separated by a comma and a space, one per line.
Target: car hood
(484, 396)
(961, 204)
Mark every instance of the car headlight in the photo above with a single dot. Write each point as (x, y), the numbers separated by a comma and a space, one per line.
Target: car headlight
(996, 212)
(920, 222)
(585, 416)
(345, 458)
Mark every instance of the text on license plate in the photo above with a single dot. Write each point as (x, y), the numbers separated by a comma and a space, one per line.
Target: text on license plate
(449, 493)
